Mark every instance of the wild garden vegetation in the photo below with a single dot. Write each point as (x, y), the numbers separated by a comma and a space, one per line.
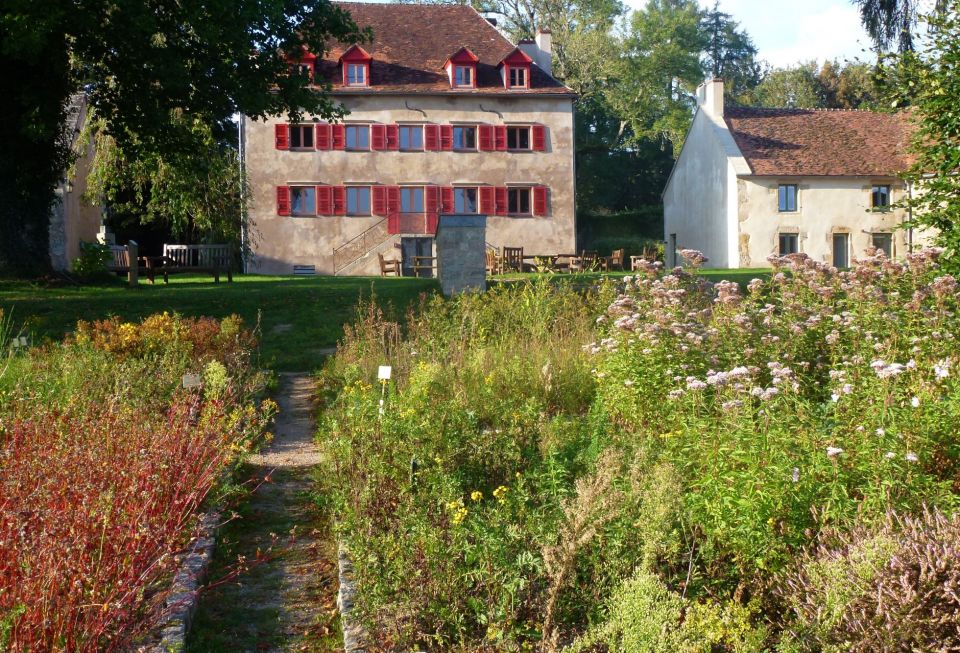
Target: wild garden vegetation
(663, 464)
(106, 459)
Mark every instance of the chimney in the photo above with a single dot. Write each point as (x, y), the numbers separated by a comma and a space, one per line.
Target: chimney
(710, 97)
(544, 43)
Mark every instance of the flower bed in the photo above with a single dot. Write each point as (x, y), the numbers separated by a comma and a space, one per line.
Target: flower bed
(649, 470)
(106, 460)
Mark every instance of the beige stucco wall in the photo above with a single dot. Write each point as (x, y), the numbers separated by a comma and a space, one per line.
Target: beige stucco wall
(83, 218)
(280, 242)
(699, 202)
(825, 205)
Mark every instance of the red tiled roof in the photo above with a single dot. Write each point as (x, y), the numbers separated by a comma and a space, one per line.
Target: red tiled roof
(820, 142)
(411, 42)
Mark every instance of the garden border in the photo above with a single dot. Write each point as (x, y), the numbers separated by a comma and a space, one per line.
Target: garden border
(354, 636)
(184, 596)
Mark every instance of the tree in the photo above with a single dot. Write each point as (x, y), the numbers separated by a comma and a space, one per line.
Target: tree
(140, 62)
(847, 87)
(929, 82)
(730, 54)
(196, 192)
(889, 21)
(657, 72)
(789, 88)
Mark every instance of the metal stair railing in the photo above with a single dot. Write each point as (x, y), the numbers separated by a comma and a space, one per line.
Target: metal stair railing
(360, 245)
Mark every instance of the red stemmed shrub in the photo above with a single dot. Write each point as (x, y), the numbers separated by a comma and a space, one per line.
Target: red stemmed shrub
(104, 465)
(92, 509)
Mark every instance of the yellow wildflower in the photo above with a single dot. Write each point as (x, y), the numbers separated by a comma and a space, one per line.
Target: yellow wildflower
(476, 495)
(500, 493)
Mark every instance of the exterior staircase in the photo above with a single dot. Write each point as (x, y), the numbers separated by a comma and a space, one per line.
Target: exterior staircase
(371, 241)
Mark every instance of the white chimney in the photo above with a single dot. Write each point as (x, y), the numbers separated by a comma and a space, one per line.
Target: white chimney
(710, 97)
(544, 42)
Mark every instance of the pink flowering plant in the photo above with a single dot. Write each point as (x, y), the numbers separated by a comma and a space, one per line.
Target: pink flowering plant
(548, 466)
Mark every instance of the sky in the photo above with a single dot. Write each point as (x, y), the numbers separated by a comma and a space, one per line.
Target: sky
(786, 33)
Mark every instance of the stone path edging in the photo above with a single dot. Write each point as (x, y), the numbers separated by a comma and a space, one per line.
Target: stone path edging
(354, 636)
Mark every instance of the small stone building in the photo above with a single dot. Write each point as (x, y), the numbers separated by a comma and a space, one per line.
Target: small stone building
(750, 183)
(445, 115)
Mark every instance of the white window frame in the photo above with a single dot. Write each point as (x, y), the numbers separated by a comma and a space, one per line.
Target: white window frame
(408, 199)
(295, 199)
(461, 128)
(515, 190)
(356, 74)
(355, 194)
(410, 129)
(463, 76)
(359, 130)
(521, 74)
(460, 198)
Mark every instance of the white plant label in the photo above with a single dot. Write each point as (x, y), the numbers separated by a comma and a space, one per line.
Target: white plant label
(384, 372)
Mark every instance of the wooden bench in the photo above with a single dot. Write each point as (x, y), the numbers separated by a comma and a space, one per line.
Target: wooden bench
(212, 259)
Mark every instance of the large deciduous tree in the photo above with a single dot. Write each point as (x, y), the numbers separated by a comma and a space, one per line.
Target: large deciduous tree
(929, 82)
(658, 71)
(139, 62)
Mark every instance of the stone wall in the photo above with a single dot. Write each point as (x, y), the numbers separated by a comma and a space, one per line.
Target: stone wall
(461, 253)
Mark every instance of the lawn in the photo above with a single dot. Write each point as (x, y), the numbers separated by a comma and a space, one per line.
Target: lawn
(740, 275)
(300, 317)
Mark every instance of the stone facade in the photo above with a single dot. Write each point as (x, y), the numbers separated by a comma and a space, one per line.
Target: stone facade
(461, 253)
(281, 242)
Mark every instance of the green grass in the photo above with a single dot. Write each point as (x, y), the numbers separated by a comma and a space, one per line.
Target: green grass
(739, 275)
(300, 317)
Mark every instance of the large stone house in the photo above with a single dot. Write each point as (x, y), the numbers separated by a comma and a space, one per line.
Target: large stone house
(445, 116)
(750, 183)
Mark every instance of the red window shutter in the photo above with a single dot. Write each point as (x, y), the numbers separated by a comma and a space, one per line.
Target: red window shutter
(539, 138)
(339, 137)
(393, 199)
(502, 202)
(378, 137)
(488, 200)
(539, 200)
(393, 137)
(431, 199)
(379, 200)
(339, 200)
(446, 199)
(324, 200)
(322, 139)
(446, 137)
(501, 138)
(282, 136)
(283, 200)
(486, 138)
(431, 137)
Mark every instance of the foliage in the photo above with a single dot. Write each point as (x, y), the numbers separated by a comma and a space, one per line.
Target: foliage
(645, 616)
(139, 63)
(659, 70)
(195, 189)
(889, 587)
(809, 86)
(729, 54)
(93, 260)
(106, 461)
(651, 489)
(929, 82)
(890, 22)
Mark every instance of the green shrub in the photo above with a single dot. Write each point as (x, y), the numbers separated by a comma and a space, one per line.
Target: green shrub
(93, 261)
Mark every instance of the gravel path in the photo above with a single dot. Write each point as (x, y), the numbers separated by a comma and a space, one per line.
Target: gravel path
(287, 603)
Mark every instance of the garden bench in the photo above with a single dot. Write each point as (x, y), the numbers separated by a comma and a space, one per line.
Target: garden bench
(212, 259)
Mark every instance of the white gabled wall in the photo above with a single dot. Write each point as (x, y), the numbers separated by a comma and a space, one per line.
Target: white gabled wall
(697, 196)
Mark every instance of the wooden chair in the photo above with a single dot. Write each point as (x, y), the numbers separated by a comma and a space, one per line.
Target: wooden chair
(493, 261)
(512, 260)
(614, 261)
(586, 262)
(388, 266)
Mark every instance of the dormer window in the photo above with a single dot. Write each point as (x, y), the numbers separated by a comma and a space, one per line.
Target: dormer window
(463, 76)
(355, 65)
(302, 65)
(356, 74)
(461, 69)
(515, 69)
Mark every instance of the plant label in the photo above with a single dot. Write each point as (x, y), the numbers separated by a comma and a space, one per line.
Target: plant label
(384, 372)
